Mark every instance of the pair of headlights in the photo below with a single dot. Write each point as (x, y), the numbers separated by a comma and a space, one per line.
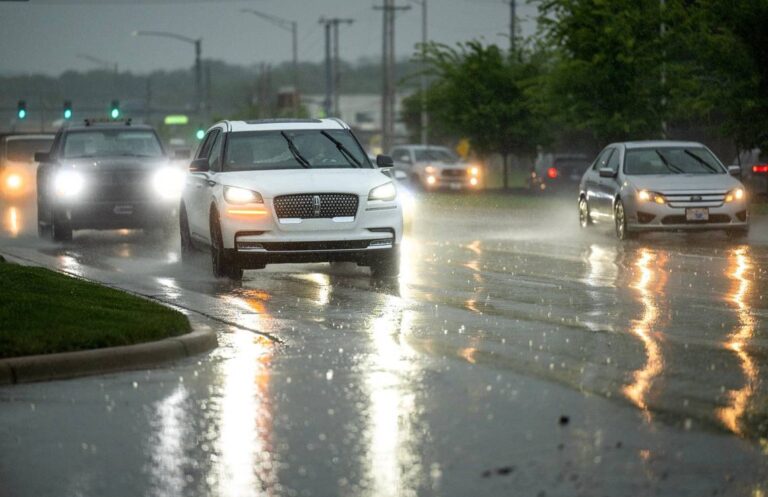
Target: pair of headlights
(241, 196)
(166, 182)
(648, 196)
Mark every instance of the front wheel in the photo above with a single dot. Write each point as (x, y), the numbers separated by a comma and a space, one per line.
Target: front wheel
(585, 220)
(386, 265)
(186, 238)
(620, 219)
(61, 228)
(222, 266)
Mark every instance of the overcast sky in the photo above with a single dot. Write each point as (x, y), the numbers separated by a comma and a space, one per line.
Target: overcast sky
(48, 36)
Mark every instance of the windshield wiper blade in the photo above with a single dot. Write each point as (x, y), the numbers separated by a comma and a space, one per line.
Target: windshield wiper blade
(669, 166)
(343, 149)
(295, 151)
(701, 161)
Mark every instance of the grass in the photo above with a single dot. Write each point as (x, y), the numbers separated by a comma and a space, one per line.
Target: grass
(42, 312)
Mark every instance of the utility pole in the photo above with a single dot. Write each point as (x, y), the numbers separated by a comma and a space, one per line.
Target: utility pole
(388, 71)
(512, 25)
(332, 64)
(423, 78)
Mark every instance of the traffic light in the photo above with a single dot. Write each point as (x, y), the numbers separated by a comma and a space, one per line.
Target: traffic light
(114, 111)
(21, 109)
(67, 110)
(200, 133)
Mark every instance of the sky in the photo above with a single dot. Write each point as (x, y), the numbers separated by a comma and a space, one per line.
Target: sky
(52, 36)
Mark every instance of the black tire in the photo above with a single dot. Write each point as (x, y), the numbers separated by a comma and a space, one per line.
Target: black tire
(386, 265)
(222, 266)
(585, 219)
(620, 221)
(61, 229)
(187, 248)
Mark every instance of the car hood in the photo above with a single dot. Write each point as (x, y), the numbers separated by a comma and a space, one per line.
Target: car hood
(114, 163)
(291, 181)
(684, 182)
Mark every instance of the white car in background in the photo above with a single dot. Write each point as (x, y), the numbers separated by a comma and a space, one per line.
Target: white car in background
(662, 186)
(431, 168)
(287, 190)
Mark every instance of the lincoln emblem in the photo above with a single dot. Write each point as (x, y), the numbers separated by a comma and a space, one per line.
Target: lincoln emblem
(316, 204)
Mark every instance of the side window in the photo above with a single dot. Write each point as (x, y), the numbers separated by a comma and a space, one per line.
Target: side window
(613, 162)
(205, 145)
(56, 142)
(401, 155)
(214, 157)
(602, 159)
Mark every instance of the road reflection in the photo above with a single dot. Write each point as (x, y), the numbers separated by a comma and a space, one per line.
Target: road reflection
(474, 265)
(740, 271)
(602, 271)
(12, 221)
(650, 281)
(171, 425)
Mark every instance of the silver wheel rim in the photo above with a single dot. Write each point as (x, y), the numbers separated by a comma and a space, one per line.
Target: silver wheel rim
(583, 213)
(620, 221)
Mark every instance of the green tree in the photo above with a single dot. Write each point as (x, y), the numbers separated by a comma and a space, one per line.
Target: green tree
(481, 93)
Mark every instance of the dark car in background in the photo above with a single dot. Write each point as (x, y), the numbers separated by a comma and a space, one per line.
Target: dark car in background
(558, 173)
(106, 175)
(17, 163)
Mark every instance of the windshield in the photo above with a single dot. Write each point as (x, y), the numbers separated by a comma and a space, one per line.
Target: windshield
(436, 155)
(112, 143)
(317, 149)
(24, 149)
(671, 160)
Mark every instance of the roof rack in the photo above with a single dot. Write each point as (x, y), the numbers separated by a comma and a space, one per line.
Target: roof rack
(90, 121)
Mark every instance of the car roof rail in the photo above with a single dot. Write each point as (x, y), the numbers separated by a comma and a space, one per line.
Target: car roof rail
(90, 121)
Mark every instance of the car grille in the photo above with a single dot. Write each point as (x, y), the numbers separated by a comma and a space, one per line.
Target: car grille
(316, 205)
(709, 198)
(454, 173)
(119, 186)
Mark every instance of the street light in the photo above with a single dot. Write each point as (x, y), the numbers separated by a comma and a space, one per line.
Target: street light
(291, 26)
(197, 43)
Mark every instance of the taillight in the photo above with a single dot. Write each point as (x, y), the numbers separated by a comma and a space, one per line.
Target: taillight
(760, 168)
(552, 173)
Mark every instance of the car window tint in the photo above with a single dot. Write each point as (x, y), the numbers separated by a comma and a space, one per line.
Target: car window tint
(602, 159)
(214, 156)
(613, 161)
(205, 145)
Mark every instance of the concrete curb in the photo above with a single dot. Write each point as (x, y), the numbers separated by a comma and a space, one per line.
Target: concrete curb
(107, 360)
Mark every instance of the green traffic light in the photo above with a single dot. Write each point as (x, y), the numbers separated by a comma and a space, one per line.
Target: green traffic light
(22, 114)
(200, 134)
(68, 114)
(115, 113)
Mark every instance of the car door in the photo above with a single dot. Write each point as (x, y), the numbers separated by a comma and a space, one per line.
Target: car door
(197, 205)
(609, 187)
(591, 184)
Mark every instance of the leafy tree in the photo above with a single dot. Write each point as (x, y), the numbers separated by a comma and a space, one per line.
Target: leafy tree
(480, 92)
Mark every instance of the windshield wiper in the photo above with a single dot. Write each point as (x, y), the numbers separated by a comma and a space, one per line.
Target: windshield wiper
(669, 166)
(343, 149)
(296, 155)
(702, 161)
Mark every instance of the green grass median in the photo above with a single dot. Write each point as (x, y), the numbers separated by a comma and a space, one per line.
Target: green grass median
(43, 312)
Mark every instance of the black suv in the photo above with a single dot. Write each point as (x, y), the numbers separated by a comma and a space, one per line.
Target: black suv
(106, 175)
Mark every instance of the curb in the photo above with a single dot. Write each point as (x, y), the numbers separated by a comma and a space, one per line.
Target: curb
(64, 365)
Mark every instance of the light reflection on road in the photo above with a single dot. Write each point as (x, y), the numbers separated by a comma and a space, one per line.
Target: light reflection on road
(13, 221)
(171, 426)
(650, 282)
(739, 271)
(602, 272)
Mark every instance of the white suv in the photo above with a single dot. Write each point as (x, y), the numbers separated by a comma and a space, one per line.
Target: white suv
(272, 191)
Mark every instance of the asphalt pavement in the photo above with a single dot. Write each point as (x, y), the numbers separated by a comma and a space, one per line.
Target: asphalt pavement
(516, 355)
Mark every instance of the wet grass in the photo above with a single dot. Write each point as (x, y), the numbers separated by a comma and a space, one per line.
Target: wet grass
(43, 312)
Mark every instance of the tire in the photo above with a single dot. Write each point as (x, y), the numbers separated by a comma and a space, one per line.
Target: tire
(620, 221)
(222, 266)
(61, 229)
(386, 265)
(585, 220)
(187, 248)
(44, 229)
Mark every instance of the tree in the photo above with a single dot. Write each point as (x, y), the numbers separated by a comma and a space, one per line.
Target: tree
(480, 92)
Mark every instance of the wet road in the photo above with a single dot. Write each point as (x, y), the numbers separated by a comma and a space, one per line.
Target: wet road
(515, 356)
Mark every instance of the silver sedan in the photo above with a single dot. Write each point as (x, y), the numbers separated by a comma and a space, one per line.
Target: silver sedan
(662, 185)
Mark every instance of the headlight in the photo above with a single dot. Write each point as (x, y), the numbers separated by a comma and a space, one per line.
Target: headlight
(168, 182)
(474, 171)
(235, 195)
(68, 183)
(646, 196)
(13, 182)
(430, 170)
(387, 191)
(735, 194)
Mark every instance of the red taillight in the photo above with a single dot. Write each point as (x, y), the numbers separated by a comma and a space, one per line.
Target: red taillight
(552, 173)
(760, 168)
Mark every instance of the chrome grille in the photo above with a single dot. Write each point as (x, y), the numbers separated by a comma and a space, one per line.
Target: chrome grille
(695, 198)
(454, 173)
(316, 205)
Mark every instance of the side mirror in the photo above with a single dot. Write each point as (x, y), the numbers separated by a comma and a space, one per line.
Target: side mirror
(734, 170)
(384, 161)
(42, 156)
(607, 172)
(199, 165)
(181, 154)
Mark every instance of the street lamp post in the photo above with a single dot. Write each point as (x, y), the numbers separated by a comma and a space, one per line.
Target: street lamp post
(292, 27)
(197, 43)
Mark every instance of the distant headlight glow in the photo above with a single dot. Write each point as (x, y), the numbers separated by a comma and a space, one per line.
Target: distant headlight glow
(235, 195)
(168, 182)
(387, 191)
(13, 182)
(68, 183)
(474, 171)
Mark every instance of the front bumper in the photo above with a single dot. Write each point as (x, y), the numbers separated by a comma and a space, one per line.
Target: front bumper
(649, 216)
(106, 215)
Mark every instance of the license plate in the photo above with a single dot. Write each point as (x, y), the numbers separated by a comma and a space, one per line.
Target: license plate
(697, 214)
(456, 186)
